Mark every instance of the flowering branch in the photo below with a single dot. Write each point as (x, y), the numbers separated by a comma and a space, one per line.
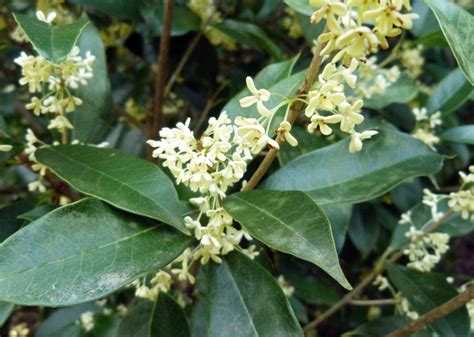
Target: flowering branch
(155, 115)
(295, 110)
(377, 270)
(436, 313)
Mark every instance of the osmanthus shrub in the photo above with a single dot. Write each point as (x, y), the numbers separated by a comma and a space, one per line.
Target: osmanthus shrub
(236, 168)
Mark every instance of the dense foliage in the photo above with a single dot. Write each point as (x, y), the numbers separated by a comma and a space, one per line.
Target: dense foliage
(178, 168)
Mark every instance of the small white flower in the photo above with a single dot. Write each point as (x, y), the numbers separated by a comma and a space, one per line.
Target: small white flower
(285, 128)
(258, 97)
(48, 19)
(355, 144)
(5, 148)
(87, 320)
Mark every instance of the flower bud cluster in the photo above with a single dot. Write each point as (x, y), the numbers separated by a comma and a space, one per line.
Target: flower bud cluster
(373, 79)
(463, 200)
(426, 126)
(160, 283)
(53, 83)
(412, 60)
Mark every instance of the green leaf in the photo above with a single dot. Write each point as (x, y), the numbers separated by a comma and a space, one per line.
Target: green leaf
(422, 219)
(426, 291)
(168, 320)
(452, 92)
(36, 213)
(52, 42)
(96, 95)
(461, 134)
(301, 6)
(383, 326)
(106, 325)
(426, 24)
(339, 216)
(124, 9)
(60, 320)
(312, 290)
(333, 175)
(458, 28)
(118, 178)
(183, 21)
(402, 91)
(250, 35)
(364, 229)
(5, 311)
(82, 252)
(266, 78)
(290, 222)
(137, 321)
(9, 222)
(245, 300)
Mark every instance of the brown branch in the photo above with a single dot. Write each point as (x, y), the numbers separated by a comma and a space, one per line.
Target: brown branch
(155, 114)
(436, 313)
(294, 113)
(378, 269)
(388, 301)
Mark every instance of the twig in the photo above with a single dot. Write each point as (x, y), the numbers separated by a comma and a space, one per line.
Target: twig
(295, 111)
(388, 301)
(377, 270)
(209, 105)
(436, 313)
(155, 115)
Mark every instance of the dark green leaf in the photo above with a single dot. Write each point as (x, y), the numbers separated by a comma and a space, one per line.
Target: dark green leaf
(251, 35)
(137, 321)
(290, 222)
(120, 179)
(402, 91)
(52, 42)
(60, 320)
(82, 252)
(36, 213)
(426, 24)
(312, 290)
(5, 310)
(301, 6)
(458, 28)
(106, 325)
(168, 319)
(461, 134)
(333, 175)
(339, 216)
(383, 326)
(426, 291)
(124, 9)
(183, 21)
(364, 229)
(9, 222)
(452, 92)
(96, 95)
(245, 300)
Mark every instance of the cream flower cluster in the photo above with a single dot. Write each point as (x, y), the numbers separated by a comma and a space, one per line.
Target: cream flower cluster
(412, 60)
(463, 200)
(425, 250)
(290, 23)
(210, 165)
(160, 283)
(402, 304)
(54, 83)
(349, 35)
(374, 80)
(425, 129)
(19, 330)
(208, 12)
(287, 288)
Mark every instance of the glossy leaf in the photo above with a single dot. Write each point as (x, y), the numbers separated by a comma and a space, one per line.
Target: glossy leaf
(460, 134)
(52, 42)
(458, 27)
(333, 175)
(82, 252)
(339, 216)
(290, 222)
(251, 35)
(312, 290)
(382, 326)
(120, 179)
(5, 311)
(124, 9)
(96, 95)
(266, 78)
(183, 21)
(402, 91)
(9, 221)
(244, 300)
(301, 6)
(168, 319)
(422, 219)
(137, 321)
(364, 229)
(426, 291)
(452, 92)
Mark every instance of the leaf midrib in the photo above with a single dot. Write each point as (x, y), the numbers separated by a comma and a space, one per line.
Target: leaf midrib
(73, 161)
(84, 252)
